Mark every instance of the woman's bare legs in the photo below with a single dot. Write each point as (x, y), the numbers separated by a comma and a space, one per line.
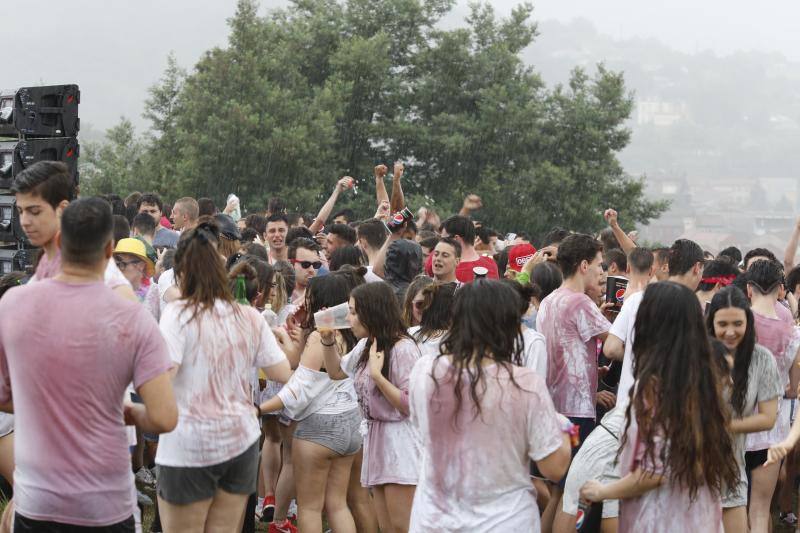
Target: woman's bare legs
(359, 499)
(285, 489)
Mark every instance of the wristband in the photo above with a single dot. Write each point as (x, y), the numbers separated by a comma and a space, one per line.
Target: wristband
(523, 278)
(331, 345)
(572, 431)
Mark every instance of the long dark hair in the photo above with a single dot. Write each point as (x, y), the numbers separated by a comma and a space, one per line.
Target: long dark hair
(734, 297)
(437, 310)
(200, 270)
(379, 312)
(326, 292)
(486, 325)
(678, 397)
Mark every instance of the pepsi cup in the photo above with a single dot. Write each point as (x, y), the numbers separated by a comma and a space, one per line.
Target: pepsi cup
(615, 291)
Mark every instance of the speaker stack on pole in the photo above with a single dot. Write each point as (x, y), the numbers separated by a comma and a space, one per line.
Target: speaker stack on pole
(36, 124)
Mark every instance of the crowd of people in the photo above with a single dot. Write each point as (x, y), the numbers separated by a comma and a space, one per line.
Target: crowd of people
(395, 373)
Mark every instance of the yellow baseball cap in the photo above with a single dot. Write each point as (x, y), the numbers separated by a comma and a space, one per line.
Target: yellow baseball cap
(137, 248)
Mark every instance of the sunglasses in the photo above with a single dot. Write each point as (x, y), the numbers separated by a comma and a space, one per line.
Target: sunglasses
(305, 264)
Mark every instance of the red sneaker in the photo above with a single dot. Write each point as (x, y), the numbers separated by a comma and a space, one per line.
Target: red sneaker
(283, 527)
(268, 512)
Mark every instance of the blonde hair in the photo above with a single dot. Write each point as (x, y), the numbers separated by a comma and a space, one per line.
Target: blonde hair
(281, 299)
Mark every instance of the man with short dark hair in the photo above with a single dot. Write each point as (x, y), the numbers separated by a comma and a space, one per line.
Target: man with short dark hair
(486, 241)
(275, 237)
(151, 204)
(793, 282)
(732, 252)
(304, 256)
(572, 325)
(686, 261)
(462, 230)
(345, 216)
(446, 256)
(371, 234)
(67, 395)
(616, 261)
(42, 192)
(144, 226)
(185, 213)
(339, 235)
(619, 345)
(757, 254)
(660, 264)
(206, 207)
(428, 244)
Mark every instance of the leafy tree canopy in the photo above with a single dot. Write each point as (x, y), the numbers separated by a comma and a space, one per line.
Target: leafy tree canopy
(327, 88)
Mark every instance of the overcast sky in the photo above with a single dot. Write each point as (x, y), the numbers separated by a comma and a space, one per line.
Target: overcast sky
(115, 49)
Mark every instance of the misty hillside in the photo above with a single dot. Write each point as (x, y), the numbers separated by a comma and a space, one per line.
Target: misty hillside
(697, 115)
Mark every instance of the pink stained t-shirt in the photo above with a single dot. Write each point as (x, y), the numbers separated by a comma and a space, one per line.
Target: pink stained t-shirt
(669, 507)
(217, 354)
(475, 468)
(570, 322)
(776, 335)
(67, 380)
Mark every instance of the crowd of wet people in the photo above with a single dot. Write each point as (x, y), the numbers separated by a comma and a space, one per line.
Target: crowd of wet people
(402, 372)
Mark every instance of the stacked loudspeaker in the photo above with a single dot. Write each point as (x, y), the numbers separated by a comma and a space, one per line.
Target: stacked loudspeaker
(36, 124)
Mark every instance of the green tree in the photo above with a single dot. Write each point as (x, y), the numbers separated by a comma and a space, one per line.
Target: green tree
(326, 88)
(114, 166)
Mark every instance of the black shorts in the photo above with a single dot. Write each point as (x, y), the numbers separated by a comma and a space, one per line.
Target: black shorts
(585, 427)
(182, 485)
(753, 460)
(29, 525)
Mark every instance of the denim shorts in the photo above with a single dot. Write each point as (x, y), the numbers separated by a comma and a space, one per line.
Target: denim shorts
(182, 485)
(339, 432)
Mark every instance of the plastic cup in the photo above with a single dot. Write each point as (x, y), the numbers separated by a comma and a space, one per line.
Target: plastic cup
(333, 317)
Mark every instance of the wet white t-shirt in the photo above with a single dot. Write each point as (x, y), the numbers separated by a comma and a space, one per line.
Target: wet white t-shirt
(475, 470)
(622, 328)
(216, 353)
(534, 354)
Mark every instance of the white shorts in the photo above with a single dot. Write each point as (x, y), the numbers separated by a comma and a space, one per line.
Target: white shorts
(6, 424)
(596, 460)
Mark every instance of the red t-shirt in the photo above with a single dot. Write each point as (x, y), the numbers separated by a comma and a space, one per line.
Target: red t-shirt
(464, 272)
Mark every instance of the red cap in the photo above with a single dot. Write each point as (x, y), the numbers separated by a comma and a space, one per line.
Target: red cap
(519, 255)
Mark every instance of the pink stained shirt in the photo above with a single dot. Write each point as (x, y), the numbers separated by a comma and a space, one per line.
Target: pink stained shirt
(669, 507)
(67, 357)
(570, 322)
(217, 354)
(474, 474)
(776, 335)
